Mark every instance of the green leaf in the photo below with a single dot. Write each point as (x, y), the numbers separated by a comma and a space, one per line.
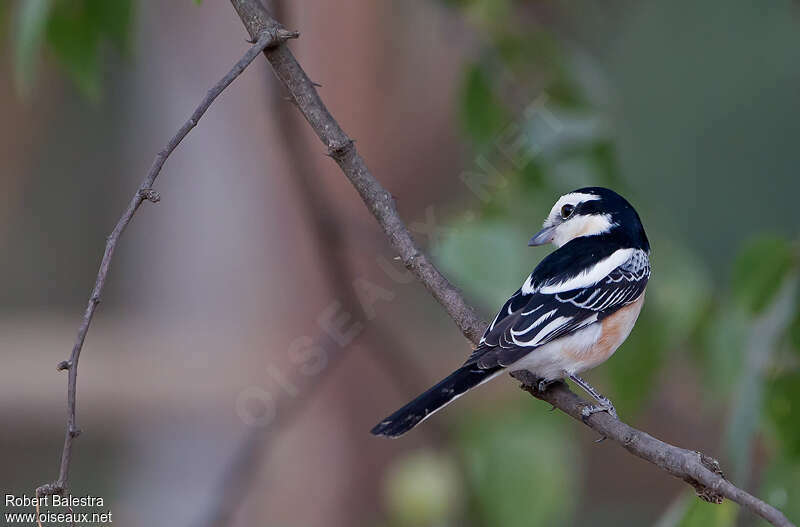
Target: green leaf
(759, 271)
(794, 332)
(462, 253)
(115, 20)
(489, 13)
(482, 114)
(781, 487)
(722, 348)
(783, 411)
(76, 32)
(31, 21)
(423, 488)
(521, 467)
(703, 514)
(680, 290)
(633, 368)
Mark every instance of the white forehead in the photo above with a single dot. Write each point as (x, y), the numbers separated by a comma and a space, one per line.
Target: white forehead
(573, 198)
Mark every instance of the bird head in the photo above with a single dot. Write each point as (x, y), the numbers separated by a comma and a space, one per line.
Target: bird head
(592, 211)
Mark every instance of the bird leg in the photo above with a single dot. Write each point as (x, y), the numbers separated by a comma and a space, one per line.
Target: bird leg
(604, 403)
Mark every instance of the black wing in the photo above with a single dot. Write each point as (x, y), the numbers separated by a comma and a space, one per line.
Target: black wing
(528, 321)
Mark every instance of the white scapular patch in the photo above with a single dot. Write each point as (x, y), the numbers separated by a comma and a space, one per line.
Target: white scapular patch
(591, 275)
(527, 287)
(581, 226)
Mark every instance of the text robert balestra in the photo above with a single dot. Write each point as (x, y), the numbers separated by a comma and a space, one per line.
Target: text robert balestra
(54, 500)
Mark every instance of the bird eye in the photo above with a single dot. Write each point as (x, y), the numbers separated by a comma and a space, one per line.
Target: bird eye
(567, 210)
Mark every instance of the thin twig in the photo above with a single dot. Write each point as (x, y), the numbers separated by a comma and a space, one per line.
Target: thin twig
(699, 470)
(264, 39)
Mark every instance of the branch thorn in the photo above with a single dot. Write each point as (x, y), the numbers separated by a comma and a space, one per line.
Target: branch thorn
(286, 34)
(276, 36)
(337, 151)
(150, 195)
(64, 365)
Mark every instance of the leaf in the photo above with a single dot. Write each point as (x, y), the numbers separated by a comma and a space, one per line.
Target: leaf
(520, 465)
(703, 514)
(462, 254)
(783, 411)
(759, 271)
(422, 488)
(115, 20)
(76, 32)
(680, 290)
(633, 368)
(482, 115)
(747, 407)
(781, 487)
(722, 348)
(30, 22)
(794, 332)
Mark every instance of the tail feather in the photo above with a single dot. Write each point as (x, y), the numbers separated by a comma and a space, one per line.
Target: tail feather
(434, 399)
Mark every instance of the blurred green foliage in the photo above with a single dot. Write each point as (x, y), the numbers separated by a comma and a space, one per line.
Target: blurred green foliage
(702, 514)
(481, 116)
(782, 485)
(760, 269)
(75, 33)
(423, 487)
(689, 313)
(782, 401)
(521, 467)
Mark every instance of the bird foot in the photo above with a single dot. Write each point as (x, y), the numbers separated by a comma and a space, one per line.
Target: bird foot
(604, 406)
(544, 384)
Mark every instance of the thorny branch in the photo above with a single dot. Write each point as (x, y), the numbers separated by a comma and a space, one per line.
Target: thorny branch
(263, 39)
(699, 470)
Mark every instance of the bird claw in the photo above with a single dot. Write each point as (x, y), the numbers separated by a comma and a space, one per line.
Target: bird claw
(543, 384)
(604, 406)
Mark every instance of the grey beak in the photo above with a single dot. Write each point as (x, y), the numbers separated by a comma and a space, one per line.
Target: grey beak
(542, 237)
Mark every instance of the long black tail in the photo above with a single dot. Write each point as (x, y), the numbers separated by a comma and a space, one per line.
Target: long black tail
(432, 400)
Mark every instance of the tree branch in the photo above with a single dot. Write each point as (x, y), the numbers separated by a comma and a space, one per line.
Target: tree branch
(701, 471)
(263, 40)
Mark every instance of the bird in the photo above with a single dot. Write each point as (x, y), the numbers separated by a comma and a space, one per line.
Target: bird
(571, 313)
